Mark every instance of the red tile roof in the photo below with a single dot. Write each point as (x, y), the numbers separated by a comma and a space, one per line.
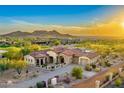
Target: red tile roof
(79, 53)
(42, 53)
(69, 52)
(59, 49)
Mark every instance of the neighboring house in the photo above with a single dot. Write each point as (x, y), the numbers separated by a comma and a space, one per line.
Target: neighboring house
(1, 53)
(62, 55)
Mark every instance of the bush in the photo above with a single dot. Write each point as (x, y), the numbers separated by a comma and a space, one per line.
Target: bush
(16, 77)
(56, 42)
(88, 67)
(77, 72)
(39, 85)
(93, 66)
(118, 82)
(97, 69)
(102, 64)
(34, 75)
(67, 80)
(115, 74)
(44, 65)
(108, 64)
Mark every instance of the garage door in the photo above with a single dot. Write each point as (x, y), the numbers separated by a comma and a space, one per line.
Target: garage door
(83, 61)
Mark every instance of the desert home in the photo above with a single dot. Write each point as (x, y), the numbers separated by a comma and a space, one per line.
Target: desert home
(62, 55)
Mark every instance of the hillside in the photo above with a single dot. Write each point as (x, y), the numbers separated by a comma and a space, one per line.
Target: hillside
(38, 33)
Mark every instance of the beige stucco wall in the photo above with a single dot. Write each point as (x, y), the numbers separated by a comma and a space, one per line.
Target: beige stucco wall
(89, 61)
(84, 60)
(94, 60)
(29, 59)
(67, 59)
(75, 60)
(53, 54)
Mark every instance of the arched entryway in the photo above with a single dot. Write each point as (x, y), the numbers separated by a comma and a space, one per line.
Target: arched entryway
(84, 61)
(62, 60)
(37, 62)
(51, 59)
(40, 61)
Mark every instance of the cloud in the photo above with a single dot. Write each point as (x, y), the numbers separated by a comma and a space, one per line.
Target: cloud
(109, 28)
(28, 24)
(23, 25)
(21, 22)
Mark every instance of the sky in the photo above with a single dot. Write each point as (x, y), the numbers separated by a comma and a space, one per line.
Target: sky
(72, 19)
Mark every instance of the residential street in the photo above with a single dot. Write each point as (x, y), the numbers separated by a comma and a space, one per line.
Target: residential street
(45, 77)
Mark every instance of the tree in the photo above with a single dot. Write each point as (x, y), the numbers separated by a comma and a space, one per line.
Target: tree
(2, 68)
(4, 65)
(56, 42)
(34, 47)
(25, 51)
(13, 53)
(118, 82)
(18, 65)
(77, 72)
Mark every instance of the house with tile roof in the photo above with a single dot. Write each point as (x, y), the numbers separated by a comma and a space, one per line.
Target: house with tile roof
(62, 55)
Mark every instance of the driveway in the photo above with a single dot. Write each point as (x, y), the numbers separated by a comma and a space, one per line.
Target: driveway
(45, 77)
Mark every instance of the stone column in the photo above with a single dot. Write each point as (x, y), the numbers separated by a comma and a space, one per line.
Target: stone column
(97, 84)
(39, 62)
(110, 76)
(44, 61)
(58, 59)
(54, 59)
(46, 83)
(120, 70)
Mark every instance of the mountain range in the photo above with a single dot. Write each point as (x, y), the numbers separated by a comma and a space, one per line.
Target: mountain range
(38, 33)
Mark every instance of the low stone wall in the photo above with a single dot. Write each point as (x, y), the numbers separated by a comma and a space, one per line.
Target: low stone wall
(108, 82)
(99, 80)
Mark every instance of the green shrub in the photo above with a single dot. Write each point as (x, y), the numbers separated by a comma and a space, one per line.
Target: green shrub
(77, 72)
(93, 66)
(39, 85)
(108, 64)
(97, 69)
(16, 77)
(34, 75)
(118, 82)
(88, 67)
(102, 64)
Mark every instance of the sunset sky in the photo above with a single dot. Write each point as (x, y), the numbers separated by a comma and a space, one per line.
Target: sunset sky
(75, 20)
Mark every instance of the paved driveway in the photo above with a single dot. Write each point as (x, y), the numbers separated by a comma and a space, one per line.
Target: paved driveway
(45, 77)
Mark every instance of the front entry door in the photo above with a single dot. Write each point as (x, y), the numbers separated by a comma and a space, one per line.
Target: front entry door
(51, 59)
(37, 62)
(41, 61)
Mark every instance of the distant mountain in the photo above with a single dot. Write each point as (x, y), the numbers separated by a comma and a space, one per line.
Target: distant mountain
(16, 34)
(38, 33)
